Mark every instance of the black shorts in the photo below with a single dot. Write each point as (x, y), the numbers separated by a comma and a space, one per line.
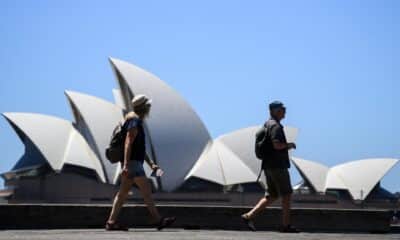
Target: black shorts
(278, 182)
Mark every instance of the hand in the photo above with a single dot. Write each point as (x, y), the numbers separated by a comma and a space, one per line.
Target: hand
(157, 171)
(291, 145)
(125, 172)
(154, 166)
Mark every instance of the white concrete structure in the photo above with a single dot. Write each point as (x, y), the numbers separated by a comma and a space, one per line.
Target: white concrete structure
(56, 140)
(356, 177)
(315, 173)
(176, 133)
(119, 100)
(221, 165)
(230, 159)
(96, 118)
(176, 138)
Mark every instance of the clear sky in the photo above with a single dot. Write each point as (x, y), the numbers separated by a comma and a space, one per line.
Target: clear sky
(335, 64)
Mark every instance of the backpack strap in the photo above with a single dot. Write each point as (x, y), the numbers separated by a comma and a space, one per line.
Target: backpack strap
(265, 136)
(259, 174)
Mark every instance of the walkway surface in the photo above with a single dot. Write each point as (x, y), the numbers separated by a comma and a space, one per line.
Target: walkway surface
(174, 234)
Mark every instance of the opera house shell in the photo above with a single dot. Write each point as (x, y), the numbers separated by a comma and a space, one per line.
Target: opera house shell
(65, 161)
(358, 178)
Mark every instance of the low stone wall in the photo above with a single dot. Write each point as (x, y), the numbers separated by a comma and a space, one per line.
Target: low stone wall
(56, 216)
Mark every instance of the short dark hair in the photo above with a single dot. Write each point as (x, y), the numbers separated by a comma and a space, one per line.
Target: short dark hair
(276, 105)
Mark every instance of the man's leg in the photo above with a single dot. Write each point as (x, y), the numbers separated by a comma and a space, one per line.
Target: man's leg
(270, 197)
(260, 206)
(286, 191)
(286, 210)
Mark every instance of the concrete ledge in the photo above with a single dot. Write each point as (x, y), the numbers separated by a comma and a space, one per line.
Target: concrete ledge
(60, 216)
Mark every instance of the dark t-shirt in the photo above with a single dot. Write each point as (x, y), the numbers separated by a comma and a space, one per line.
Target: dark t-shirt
(139, 144)
(276, 158)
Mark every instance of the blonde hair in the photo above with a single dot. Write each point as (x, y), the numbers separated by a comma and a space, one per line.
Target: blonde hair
(138, 112)
(131, 115)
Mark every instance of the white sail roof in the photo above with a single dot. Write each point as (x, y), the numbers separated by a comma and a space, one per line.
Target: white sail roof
(314, 172)
(57, 140)
(177, 140)
(100, 118)
(220, 165)
(177, 134)
(359, 177)
(242, 143)
(118, 99)
(230, 159)
(208, 167)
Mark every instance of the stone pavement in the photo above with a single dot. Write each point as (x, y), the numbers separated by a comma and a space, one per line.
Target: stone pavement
(177, 234)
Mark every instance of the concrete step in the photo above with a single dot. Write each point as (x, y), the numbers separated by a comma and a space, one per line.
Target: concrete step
(60, 216)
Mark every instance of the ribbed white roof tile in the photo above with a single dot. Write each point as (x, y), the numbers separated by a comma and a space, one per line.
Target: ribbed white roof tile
(242, 143)
(315, 173)
(230, 159)
(118, 99)
(100, 118)
(220, 165)
(57, 140)
(177, 133)
(359, 177)
(208, 167)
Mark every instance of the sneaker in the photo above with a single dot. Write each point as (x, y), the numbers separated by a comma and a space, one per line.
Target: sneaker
(115, 227)
(289, 229)
(248, 222)
(165, 222)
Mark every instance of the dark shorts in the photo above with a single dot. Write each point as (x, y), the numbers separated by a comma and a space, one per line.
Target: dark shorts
(278, 182)
(135, 169)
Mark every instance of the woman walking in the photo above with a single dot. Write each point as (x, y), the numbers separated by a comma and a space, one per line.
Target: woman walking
(132, 168)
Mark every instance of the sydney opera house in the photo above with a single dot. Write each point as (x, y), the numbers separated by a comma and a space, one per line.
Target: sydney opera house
(65, 162)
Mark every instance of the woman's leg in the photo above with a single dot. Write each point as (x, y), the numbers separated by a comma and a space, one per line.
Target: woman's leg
(120, 197)
(145, 190)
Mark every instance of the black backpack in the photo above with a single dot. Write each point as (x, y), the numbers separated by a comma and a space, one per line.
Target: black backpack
(263, 143)
(115, 150)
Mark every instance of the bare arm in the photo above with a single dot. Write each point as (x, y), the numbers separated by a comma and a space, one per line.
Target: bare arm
(280, 146)
(130, 137)
(150, 162)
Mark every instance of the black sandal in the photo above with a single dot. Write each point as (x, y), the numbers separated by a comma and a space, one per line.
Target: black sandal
(165, 222)
(247, 221)
(115, 227)
(288, 229)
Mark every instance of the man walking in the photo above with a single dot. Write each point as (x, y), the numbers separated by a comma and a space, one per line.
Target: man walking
(275, 164)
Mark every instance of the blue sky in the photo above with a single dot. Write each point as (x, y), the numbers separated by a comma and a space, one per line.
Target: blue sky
(335, 64)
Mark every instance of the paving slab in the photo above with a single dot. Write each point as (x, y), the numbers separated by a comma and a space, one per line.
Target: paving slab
(174, 234)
